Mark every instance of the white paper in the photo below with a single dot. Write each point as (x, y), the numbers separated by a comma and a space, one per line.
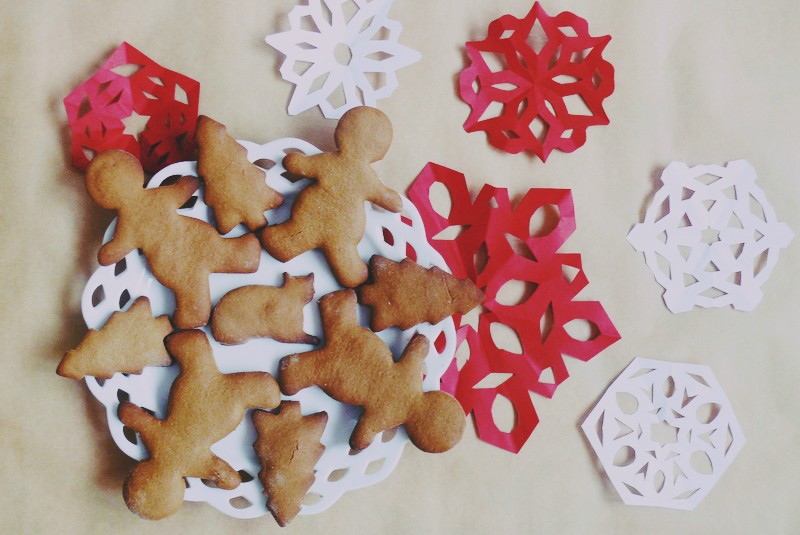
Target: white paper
(341, 50)
(664, 433)
(710, 236)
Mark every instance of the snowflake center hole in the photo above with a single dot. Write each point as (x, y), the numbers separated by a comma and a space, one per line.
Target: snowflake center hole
(709, 236)
(343, 54)
(663, 433)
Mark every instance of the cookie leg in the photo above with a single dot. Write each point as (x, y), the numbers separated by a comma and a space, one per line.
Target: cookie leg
(193, 303)
(365, 431)
(346, 264)
(259, 390)
(238, 255)
(296, 372)
(285, 241)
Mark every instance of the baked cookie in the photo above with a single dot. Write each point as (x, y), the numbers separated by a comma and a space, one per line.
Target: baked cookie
(204, 406)
(180, 251)
(356, 367)
(127, 343)
(329, 214)
(288, 447)
(264, 312)
(403, 294)
(235, 189)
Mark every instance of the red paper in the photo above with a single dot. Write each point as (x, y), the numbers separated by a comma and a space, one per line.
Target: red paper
(491, 224)
(549, 76)
(130, 87)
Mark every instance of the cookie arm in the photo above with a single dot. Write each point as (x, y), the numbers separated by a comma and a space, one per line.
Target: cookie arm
(386, 198)
(300, 164)
(118, 247)
(182, 190)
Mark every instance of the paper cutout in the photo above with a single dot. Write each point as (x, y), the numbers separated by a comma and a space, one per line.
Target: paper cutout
(548, 76)
(341, 54)
(492, 225)
(664, 433)
(128, 92)
(710, 237)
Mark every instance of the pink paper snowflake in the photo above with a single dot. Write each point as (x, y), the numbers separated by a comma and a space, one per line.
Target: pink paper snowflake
(341, 54)
(546, 75)
(134, 104)
(494, 247)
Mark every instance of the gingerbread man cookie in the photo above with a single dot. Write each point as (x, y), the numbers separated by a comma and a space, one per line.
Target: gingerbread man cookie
(180, 251)
(235, 188)
(204, 406)
(356, 367)
(329, 214)
(264, 312)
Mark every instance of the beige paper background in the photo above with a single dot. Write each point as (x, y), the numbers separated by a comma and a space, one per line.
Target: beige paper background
(701, 82)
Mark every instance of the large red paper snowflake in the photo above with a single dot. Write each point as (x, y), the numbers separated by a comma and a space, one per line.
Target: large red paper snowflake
(537, 83)
(134, 104)
(495, 246)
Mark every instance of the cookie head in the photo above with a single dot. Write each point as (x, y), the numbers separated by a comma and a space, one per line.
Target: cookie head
(436, 423)
(112, 177)
(365, 133)
(153, 492)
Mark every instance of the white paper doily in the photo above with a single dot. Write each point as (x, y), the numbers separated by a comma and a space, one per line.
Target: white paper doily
(115, 287)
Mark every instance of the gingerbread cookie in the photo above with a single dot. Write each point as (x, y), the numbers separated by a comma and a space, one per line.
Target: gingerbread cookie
(181, 251)
(404, 294)
(235, 189)
(264, 312)
(204, 406)
(288, 447)
(356, 367)
(127, 343)
(329, 214)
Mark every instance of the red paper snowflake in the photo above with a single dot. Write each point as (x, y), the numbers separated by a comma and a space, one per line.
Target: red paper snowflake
(537, 83)
(134, 104)
(495, 245)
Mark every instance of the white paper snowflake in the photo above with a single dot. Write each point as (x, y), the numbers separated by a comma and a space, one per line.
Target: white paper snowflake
(710, 237)
(341, 54)
(664, 433)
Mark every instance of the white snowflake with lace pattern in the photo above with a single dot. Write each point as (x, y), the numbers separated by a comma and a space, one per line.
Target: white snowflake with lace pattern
(664, 433)
(710, 237)
(341, 54)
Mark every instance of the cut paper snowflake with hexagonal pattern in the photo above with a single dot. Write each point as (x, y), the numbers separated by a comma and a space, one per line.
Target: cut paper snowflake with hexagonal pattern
(537, 83)
(664, 433)
(341, 54)
(134, 104)
(710, 237)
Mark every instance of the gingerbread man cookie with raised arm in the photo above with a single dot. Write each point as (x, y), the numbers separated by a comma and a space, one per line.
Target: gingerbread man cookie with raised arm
(357, 367)
(181, 251)
(329, 214)
(204, 406)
